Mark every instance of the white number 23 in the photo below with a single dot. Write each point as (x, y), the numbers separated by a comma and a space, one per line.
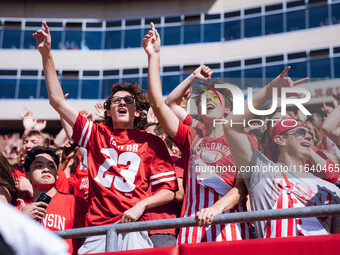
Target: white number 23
(128, 174)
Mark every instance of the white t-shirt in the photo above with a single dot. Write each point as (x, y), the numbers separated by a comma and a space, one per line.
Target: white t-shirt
(26, 236)
(267, 188)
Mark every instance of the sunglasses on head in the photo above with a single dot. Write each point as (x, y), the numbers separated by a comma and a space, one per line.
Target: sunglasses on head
(299, 132)
(127, 99)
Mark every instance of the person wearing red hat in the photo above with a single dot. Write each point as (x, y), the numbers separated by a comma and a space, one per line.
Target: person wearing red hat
(284, 181)
(283, 127)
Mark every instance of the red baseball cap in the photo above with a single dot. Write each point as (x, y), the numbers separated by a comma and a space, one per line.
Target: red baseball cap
(284, 126)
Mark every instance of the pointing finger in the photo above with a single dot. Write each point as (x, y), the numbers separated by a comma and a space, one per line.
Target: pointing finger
(46, 27)
(152, 27)
(301, 81)
(282, 75)
(157, 34)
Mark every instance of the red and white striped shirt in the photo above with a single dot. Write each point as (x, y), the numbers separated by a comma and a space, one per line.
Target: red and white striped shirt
(198, 151)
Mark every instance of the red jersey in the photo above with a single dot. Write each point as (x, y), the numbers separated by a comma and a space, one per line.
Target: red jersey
(200, 152)
(79, 181)
(122, 164)
(170, 210)
(61, 183)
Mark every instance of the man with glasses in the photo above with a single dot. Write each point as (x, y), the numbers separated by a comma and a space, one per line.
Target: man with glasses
(122, 160)
(284, 181)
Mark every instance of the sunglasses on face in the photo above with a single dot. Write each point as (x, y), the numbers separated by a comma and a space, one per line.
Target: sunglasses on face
(299, 132)
(127, 99)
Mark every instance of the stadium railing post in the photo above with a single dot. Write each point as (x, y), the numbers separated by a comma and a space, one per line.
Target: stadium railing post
(111, 240)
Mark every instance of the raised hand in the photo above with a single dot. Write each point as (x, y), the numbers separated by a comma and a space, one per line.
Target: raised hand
(86, 114)
(24, 185)
(40, 125)
(152, 41)
(286, 82)
(151, 118)
(28, 120)
(100, 110)
(327, 109)
(69, 150)
(43, 40)
(203, 73)
(335, 100)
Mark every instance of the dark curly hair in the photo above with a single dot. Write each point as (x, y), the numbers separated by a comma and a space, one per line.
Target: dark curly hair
(32, 154)
(141, 100)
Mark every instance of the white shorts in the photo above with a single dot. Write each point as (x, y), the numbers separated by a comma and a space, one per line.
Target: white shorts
(126, 241)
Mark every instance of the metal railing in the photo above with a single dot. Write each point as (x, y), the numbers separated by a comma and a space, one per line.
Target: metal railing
(112, 231)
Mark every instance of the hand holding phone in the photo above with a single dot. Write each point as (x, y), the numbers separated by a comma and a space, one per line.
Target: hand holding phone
(43, 197)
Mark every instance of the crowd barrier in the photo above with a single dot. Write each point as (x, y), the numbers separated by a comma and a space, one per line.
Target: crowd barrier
(311, 245)
(111, 231)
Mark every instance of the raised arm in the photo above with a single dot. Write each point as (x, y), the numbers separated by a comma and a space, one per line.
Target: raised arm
(55, 93)
(166, 117)
(331, 125)
(240, 146)
(176, 96)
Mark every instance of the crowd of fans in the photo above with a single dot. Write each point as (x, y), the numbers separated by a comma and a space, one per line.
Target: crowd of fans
(145, 158)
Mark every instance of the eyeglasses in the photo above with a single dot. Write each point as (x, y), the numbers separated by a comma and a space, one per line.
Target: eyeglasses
(127, 99)
(299, 132)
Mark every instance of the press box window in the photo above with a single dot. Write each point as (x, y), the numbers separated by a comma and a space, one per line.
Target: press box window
(7, 88)
(320, 69)
(28, 88)
(296, 20)
(169, 83)
(106, 87)
(252, 27)
(232, 30)
(93, 40)
(318, 16)
(132, 38)
(298, 70)
(73, 36)
(90, 89)
(212, 32)
(274, 23)
(192, 33)
(113, 39)
(172, 35)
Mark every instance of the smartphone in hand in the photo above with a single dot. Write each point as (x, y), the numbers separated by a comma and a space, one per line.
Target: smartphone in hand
(43, 197)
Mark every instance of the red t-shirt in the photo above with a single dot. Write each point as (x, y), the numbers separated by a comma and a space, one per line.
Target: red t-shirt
(122, 164)
(66, 211)
(79, 181)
